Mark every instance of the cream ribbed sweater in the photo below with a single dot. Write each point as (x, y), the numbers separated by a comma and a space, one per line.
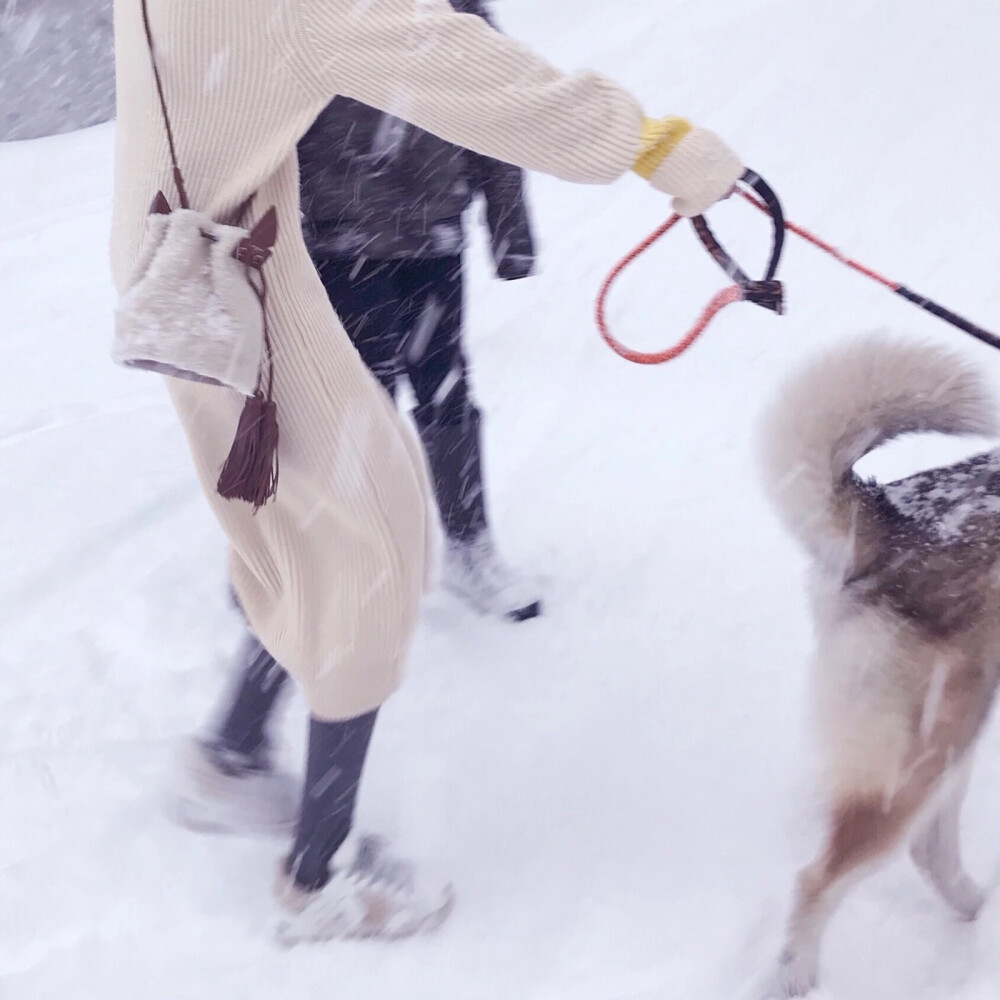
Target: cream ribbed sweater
(332, 571)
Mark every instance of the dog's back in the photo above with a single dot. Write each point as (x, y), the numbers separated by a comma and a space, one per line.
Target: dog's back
(937, 545)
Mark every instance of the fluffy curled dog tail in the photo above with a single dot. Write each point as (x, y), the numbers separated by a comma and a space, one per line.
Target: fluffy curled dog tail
(844, 405)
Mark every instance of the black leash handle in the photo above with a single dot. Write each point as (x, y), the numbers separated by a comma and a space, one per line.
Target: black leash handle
(929, 305)
(768, 291)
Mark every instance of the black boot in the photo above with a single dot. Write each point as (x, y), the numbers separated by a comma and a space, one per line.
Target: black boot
(454, 456)
(473, 570)
(337, 752)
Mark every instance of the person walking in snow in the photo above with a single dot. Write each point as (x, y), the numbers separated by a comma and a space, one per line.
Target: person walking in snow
(383, 203)
(331, 571)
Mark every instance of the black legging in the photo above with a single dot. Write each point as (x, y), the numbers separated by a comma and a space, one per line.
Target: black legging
(242, 731)
(336, 757)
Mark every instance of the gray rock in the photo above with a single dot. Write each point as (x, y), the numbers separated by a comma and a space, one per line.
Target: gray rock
(57, 69)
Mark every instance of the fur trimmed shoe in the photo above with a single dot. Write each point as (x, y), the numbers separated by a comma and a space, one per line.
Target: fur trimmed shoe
(370, 894)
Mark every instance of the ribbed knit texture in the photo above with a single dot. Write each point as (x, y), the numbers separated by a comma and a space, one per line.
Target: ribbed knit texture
(660, 137)
(330, 574)
(699, 169)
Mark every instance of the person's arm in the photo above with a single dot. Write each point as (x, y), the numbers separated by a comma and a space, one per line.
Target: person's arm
(478, 7)
(502, 187)
(456, 77)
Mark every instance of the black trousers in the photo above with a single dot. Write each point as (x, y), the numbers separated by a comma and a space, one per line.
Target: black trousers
(405, 319)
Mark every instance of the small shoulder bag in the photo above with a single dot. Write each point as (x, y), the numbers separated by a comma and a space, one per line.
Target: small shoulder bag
(196, 309)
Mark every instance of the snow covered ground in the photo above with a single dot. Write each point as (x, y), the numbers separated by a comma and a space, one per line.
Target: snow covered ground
(622, 789)
(58, 66)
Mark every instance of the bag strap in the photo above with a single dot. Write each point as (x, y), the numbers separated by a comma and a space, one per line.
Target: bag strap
(178, 177)
(250, 471)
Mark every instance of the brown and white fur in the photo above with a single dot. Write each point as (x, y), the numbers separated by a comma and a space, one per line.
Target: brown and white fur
(906, 597)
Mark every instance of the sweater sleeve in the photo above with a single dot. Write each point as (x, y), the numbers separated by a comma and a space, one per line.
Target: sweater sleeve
(456, 77)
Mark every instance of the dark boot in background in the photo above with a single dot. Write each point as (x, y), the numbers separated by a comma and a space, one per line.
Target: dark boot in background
(472, 568)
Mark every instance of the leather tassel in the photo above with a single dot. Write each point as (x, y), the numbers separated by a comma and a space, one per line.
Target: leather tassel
(250, 471)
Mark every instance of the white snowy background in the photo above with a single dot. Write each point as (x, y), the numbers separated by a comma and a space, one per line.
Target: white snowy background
(622, 789)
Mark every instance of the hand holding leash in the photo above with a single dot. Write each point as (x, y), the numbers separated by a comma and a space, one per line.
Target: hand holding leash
(766, 292)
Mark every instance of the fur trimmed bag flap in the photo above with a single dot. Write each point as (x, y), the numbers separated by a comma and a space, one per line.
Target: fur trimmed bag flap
(191, 310)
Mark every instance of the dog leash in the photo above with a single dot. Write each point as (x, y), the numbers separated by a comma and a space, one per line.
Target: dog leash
(766, 292)
(928, 305)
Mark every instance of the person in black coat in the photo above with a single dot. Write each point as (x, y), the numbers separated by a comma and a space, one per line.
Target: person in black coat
(383, 205)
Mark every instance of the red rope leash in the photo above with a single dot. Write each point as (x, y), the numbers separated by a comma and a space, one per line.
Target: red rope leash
(824, 246)
(722, 299)
(766, 292)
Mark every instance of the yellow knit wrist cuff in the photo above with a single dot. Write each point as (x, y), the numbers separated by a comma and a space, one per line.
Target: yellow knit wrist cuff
(659, 137)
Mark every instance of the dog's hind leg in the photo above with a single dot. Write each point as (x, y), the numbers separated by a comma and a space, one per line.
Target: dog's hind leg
(862, 832)
(936, 853)
(864, 829)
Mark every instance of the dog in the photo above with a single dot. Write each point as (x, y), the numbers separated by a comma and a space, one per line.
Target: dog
(906, 602)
